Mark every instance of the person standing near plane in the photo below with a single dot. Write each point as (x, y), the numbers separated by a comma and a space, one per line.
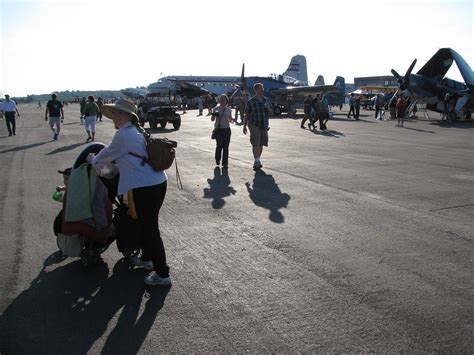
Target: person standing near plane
(401, 105)
(289, 105)
(9, 108)
(379, 107)
(56, 115)
(184, 103)
(351, 106)
(200, 105)
(393, 107)
(446, 100)
(257, 114)
(222, 114)
(306, 109)
(357, 107)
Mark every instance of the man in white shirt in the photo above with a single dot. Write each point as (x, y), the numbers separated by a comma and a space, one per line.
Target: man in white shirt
(8, 107)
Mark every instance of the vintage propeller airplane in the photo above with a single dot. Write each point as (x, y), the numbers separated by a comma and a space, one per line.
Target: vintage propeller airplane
(280, 87)
(431, 86)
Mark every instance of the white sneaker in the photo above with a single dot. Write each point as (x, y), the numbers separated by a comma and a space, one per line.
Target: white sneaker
(138, 262)
(153, 279)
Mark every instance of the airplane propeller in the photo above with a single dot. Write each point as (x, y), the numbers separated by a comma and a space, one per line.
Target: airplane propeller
(404, 80)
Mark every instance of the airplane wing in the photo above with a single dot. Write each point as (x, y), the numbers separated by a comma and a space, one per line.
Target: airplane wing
(189, 90)
(439, 64)
(304, 90)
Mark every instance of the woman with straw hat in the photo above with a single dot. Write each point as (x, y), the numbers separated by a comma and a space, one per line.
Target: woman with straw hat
(148, 186)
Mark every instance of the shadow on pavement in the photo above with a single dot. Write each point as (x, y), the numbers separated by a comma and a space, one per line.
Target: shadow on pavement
(455, 124)
(65, 148)
(219, 187)
(328, 133)
(67, 309)
(418, 130)
(24, 147)
(265, 193)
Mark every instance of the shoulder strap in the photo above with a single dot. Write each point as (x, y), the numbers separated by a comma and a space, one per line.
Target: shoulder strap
(146, 135)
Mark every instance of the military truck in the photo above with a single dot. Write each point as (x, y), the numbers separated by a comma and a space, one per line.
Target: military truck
(159, 109)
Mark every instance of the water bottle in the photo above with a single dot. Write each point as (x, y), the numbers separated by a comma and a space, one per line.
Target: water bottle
(57, 195)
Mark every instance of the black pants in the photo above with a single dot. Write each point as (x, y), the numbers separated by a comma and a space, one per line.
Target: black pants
(307, 116)
(148, 201)
(351, 110)
(357, 112)
(222, 145)
(10, 120)
(377, 110)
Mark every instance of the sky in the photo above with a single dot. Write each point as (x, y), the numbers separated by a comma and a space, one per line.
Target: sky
(59, 45)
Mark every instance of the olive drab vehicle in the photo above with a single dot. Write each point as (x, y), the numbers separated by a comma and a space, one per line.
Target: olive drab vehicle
(159, 108)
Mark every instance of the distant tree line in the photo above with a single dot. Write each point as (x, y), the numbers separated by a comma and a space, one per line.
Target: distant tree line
(71, 96)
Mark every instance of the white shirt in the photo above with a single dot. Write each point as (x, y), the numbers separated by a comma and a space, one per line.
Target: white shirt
(132, 173)
(225, 116)
(8, 106)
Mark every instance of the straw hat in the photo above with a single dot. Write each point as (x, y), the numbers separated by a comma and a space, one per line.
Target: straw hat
(122, 105)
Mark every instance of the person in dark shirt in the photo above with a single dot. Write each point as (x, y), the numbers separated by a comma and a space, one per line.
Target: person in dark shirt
(56, 115)
(307, 110)
(99, 104)
(257, 112)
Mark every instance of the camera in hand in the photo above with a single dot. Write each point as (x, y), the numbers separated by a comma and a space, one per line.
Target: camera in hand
(215, 114)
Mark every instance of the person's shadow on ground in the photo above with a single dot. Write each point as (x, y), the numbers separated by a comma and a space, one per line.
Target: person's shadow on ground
(67, 309)
(266, 193)
(219, 187)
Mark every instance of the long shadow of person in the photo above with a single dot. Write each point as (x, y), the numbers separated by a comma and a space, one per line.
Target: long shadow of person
(266, 193)
(65, 148)
(68, 309)
(219, 187)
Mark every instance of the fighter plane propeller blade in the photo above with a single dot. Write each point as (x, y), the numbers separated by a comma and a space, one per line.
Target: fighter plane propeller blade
(395, 74)
(403, 80)
(410, 68)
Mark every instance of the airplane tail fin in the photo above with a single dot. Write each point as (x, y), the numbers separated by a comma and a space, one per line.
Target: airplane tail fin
(319, 80)
(297, 69)
(340, 83)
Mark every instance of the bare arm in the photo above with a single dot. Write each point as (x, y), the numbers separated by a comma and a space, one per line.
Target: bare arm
(245, 123)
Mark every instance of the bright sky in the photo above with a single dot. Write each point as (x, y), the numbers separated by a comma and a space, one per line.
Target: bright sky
(58, 45)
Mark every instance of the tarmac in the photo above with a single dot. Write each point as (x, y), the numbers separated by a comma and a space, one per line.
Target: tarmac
(356, 239)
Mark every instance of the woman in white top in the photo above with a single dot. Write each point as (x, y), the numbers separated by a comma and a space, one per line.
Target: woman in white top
(222, 114)
(147, 185)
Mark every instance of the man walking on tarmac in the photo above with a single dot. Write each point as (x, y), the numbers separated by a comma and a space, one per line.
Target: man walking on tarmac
(257, 113)
(56, 115)
(9, 108)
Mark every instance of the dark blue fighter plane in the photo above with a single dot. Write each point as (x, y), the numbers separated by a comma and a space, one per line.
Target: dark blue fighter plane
(431, 86)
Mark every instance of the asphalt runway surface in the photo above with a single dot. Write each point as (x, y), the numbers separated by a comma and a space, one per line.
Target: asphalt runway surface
(358, 239)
